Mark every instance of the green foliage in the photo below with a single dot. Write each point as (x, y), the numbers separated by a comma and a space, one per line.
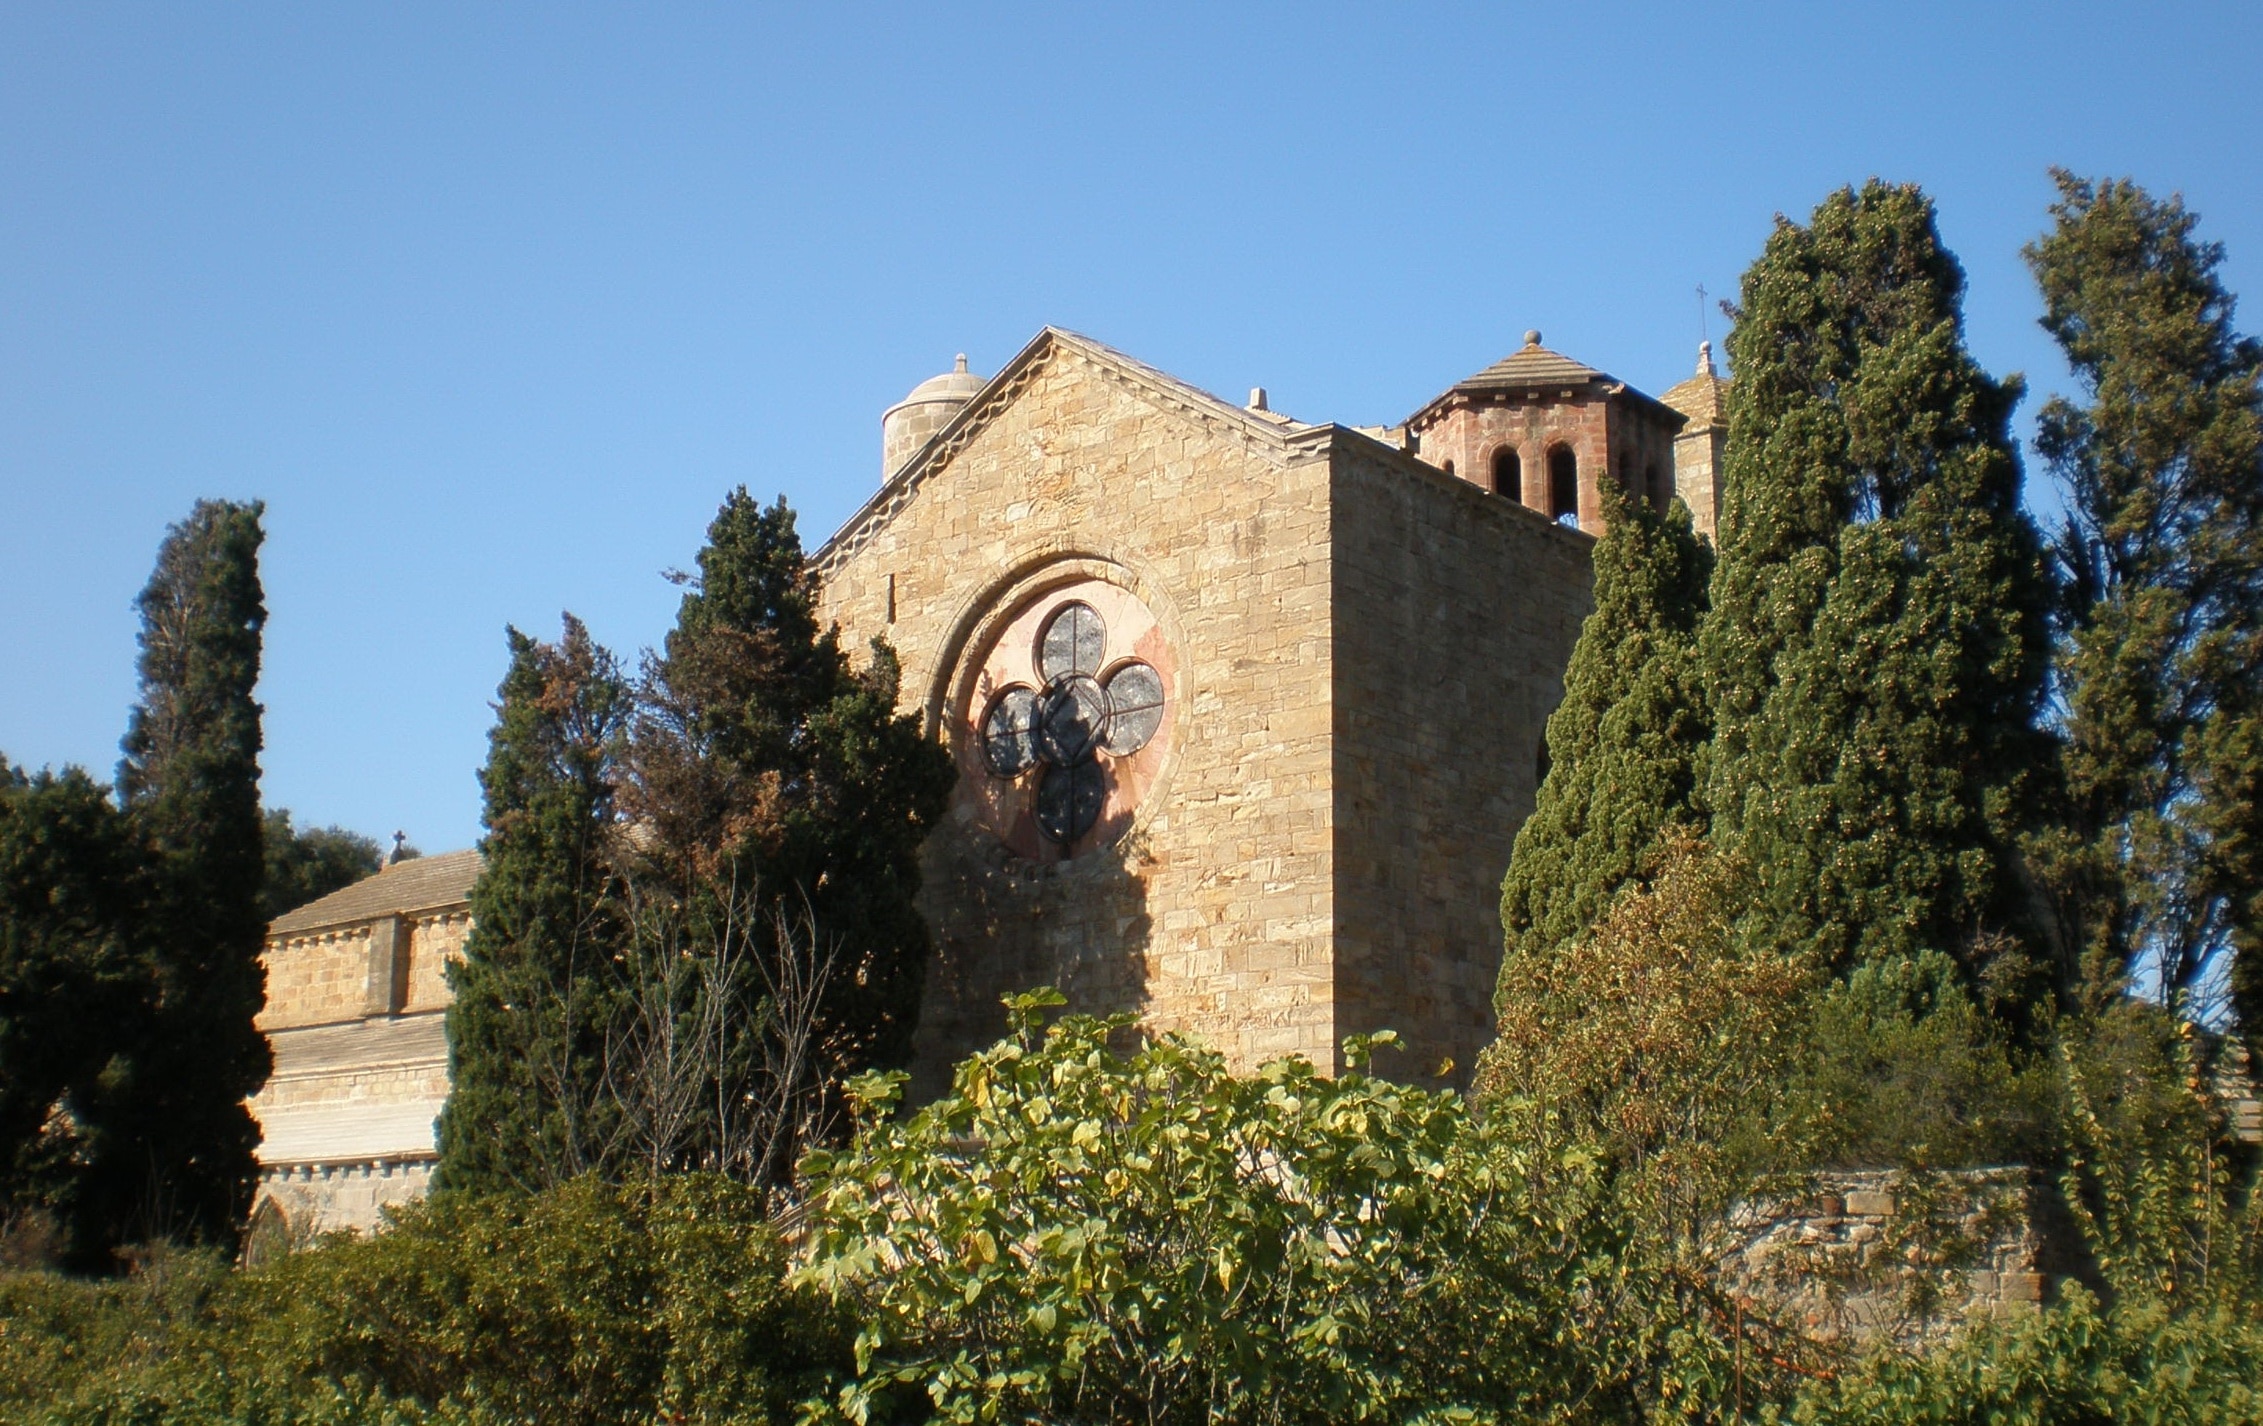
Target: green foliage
(588, 1304)
(166, 1142)
(1623, 745)
(307, 864)
(2076, 1364)
(2161, 651)
(1081, 1233)
(785, 800)
(1875, 649)
(74, 883)
(2167, 1206)
(697, 911)
(1660, 1039)
(537, 985)
(1898, 1066)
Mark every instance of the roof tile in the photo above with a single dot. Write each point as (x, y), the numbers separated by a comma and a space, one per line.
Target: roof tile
(418, 884)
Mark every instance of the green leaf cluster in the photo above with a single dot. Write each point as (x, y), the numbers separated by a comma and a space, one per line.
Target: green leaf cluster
(1094, 1228)
(1623, 746)
(537, 985)
(1876, 649)
(697, 911)
(764, 763)
(130, 934)
(2079, 1362)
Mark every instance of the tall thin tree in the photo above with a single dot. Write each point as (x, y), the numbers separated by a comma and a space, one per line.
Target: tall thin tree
(779, 786)
(538, 987)
(2159, 867)
(170, 1140)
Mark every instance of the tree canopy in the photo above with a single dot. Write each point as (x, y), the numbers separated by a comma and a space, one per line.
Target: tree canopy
(2159, 857)
(1876, 647)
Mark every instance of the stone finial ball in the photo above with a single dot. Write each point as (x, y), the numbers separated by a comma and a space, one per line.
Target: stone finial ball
(1532, 337)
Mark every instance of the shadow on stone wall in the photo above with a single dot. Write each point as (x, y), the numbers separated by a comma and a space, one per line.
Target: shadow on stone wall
(1081, 926)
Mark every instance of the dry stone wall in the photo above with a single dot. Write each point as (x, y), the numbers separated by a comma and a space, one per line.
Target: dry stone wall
(1890, 1255)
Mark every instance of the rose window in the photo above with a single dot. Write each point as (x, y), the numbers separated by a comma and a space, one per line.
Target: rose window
(1075, 725)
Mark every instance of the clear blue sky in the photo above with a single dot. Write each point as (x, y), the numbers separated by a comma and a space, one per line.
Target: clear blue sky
(492, 304)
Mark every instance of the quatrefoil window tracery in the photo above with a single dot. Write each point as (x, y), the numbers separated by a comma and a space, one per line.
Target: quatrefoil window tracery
(1075, 724)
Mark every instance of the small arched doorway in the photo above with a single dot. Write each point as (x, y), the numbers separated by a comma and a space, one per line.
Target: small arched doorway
(268, 1236)
(1563, 486)
(1508, 473)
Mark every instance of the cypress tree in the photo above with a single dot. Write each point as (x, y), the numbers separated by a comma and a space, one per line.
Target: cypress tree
(2161, 633)
(537, 985)
(170, 1139)
(1623, 744)
(764, 765)
(1875, 650)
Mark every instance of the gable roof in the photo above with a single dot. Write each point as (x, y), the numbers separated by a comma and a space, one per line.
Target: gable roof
(1266, 432)
(418, 884)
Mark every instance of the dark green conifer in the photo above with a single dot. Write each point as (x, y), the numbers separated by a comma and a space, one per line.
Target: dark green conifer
(1623, 745)
(74, 881)
(765, 766)
(1875, 650)
(2161, 648)
(171, 1141)
(538, 986)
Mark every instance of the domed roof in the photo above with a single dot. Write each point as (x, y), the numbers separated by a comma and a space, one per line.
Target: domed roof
(958, 384)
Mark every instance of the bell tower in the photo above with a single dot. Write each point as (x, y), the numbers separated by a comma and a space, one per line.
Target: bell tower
(1544, 430)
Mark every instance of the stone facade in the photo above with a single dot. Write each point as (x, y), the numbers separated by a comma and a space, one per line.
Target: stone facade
(1246, 711)
(357, 994)
(1362, 651)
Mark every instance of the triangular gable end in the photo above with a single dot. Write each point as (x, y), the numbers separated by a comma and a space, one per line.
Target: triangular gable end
(1166, 392)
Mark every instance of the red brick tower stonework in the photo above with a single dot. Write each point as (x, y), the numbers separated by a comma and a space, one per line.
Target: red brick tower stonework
(1543, 430)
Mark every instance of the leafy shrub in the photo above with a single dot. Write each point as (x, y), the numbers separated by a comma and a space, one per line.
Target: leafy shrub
(1080, 1234)
(1658, 1037)
(1899, 1066)
(2073, 1365)
(586, 1304)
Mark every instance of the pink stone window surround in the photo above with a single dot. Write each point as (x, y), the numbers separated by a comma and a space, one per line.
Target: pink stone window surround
(1067, 723)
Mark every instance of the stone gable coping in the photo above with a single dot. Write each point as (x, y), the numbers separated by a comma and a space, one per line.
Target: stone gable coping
(1158, 388)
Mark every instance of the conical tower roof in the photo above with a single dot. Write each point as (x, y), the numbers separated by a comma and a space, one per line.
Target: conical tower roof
(1533, 365)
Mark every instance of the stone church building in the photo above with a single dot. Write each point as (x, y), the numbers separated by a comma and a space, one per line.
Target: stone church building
(1246, 710)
